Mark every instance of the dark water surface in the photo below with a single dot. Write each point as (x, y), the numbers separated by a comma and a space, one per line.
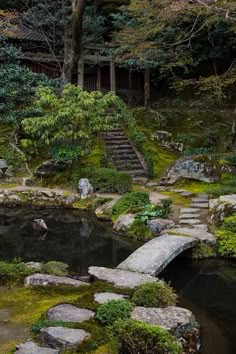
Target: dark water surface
(208, 288)
(73, 237)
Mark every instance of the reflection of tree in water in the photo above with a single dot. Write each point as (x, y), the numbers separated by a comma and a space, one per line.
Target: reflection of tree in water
(73, 237)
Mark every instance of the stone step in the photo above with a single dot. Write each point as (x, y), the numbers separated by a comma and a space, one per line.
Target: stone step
(102, 298)
(33, 348)
(200, 200)
(120, 278)
(189, 210)
(197, 233)
(125, 152)
(200, 205)
(46, 279)
(69, 313)
(116, 142)
(118, 146)
(124, 158)
(63, 338)
(190, 222)
(130, 166)
(134, 173)
(189, 216)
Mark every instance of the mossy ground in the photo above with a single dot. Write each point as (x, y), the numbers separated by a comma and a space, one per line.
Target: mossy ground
(29, 306)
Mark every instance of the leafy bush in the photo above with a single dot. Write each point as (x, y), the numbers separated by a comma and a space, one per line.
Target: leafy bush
(157, 294)
(139, 231)
(231, 160)
(55, 268)
(105, 180)
(226, 238)
(114, 310)
(185, 138)
(46, 323)
(161, 210)
(131, 203)
(13, 272)
(138, 337)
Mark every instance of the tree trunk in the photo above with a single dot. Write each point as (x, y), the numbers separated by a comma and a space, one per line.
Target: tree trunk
(73, 39)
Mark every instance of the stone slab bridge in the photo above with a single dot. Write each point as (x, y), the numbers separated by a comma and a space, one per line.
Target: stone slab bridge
(155, 255)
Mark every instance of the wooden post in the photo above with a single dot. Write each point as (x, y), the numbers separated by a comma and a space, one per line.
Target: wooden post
(147, 87)
(112, 77)
(99, 76)
(81, 72)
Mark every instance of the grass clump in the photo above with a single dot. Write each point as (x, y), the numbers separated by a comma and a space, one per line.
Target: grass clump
(14, 272)
(114, 310)
(157, 294)
(202, 251)
(138, 337)
(131, 203)
(55, 268)
(226, 238)
(139, 231)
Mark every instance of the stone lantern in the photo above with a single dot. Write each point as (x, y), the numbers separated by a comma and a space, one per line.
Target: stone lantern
(3, 168)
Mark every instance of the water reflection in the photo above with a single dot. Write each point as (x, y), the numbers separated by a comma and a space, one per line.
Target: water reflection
(72, 237)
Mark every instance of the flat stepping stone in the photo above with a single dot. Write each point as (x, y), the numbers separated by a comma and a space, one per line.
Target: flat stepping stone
(121, 278)
(155, 255)
(200, 200)
(187, 194)
(190, 222)
(201, 227)
(199, 234)
(63, 338)
(69, 313)
(200, 205)
(32, 348)
(102, 298)
(189, 216)
(189, 210)
(46, 279)
(176, 320)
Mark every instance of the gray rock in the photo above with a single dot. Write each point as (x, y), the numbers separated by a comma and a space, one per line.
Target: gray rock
(190, 222)
(104, 212)
(178, 321)
(158, 225)
(39, 225)
(222, 207)
(194, 168)
(50, 168)
(85, 188)
(199, 234)
(201, 227)
(32, 348)
(189, 210)
(189, 216)
(69, 313)
(200, 200)
(187, 194)
(155, 255)
(123, 222)
(200, 205)
(151, 184)
(102, 298)
(120, 278)
(46, 279)
(63, 338)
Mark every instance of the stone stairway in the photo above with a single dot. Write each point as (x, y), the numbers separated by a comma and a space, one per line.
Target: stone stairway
(122, 153)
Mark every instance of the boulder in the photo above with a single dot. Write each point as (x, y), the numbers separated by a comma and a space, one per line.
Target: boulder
(63, 338)
(54, 280)
(123, 222)
(32, 348)
(50, 168)
(178, 321)
(104, 212)
(69, 313)
(39, 225)
(121, 278)
(156, 226)
(85, 189)
(222, 207)
(3, 168)
(198, 233)
(102, 298)
(200, 168)
(166, 140)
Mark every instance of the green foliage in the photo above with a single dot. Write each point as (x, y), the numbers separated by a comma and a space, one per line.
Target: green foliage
(202, 251)
(161, 210)
(138, 337)
(69, 123)
(55, 268)
(114, 310)
(17, 85)
(186, 139)
(139, 231)
(105, 180)
(230, 223)
(198, 151)
(13, 272)
(226, 238)
(157, 294)
(231, 159)
(131, 203)
(35, 328)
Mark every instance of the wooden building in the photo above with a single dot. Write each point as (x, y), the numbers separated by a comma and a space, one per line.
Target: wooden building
(96, 70)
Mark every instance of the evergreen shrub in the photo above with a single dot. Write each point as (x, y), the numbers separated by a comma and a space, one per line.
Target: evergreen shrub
(114, 310)
(55, 268)
(131, 203)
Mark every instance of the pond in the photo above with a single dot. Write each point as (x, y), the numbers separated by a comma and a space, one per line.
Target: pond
(208, 289)
(73, 237)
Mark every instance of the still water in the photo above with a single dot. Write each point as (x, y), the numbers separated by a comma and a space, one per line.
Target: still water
(208, 288)
(73, 237)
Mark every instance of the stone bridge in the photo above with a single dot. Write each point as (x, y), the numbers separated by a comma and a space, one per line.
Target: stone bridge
(155, 255)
